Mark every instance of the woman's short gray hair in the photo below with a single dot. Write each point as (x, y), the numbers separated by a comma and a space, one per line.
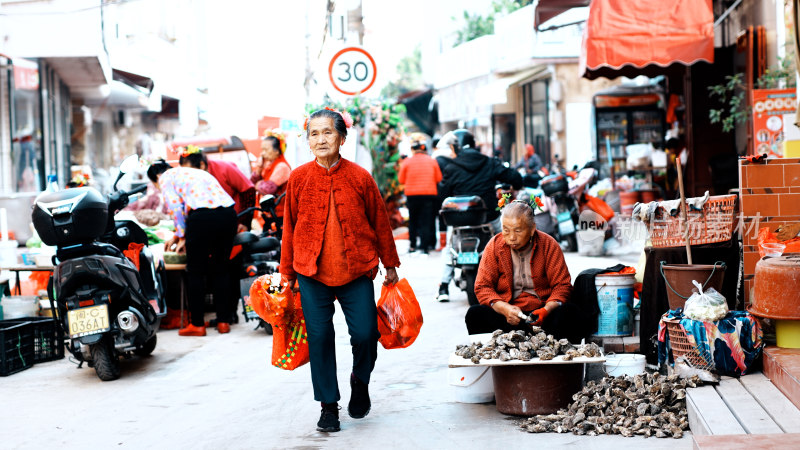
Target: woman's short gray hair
(519, 210)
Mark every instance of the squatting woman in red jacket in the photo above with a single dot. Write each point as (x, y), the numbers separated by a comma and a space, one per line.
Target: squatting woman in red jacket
(335, 231)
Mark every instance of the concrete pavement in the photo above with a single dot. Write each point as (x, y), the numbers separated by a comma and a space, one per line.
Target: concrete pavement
(221, 392)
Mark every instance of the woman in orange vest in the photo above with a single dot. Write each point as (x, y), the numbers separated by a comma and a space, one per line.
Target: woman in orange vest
(419, 174)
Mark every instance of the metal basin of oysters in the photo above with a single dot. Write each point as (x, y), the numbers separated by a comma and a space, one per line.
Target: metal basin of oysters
(524, 346)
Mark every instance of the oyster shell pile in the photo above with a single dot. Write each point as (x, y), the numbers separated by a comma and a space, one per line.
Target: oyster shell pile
(524, 346)
(646, 405)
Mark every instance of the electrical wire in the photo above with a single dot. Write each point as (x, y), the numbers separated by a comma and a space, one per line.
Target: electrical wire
(102, 4)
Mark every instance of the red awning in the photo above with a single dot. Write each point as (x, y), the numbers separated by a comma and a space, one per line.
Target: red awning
(643, 37)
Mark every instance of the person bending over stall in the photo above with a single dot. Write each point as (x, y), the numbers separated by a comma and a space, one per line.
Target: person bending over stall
(335, 230)
(523, 271)
(233, 181)
(205, 224)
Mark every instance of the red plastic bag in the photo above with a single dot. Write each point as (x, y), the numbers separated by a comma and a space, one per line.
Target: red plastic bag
(37, 281)
(132, 253)
(598, 205)
(766, 236)
(399, 315)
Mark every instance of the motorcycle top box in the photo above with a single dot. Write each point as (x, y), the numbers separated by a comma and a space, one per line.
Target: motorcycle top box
(462, 211)
(553, 184)
(71, 216)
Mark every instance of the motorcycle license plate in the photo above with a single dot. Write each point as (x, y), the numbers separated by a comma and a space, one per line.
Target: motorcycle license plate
(86, 321)
(468, 258)
(565, 225)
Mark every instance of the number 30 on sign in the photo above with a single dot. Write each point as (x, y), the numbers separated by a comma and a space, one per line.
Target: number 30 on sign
(352, 71)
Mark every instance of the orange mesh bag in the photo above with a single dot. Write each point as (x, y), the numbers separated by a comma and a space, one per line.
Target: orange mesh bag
(290, 340)
(273, 300)
(399, 315)
(270, 298)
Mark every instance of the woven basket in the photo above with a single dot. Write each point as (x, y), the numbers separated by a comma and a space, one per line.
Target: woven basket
(714, 223)
(681, 347)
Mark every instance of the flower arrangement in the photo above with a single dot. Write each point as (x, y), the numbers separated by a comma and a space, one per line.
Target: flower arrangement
(189, 150)
(535, 202)
(270, 297)
(80, 180)
(278, 134)
(348, 119)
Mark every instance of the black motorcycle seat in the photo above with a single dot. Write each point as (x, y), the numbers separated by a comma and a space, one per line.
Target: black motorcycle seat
(244, 238)
(266, 244)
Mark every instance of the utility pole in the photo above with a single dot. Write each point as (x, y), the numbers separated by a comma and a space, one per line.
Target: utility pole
(309, 70)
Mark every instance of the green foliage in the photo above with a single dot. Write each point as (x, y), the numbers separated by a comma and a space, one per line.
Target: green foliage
(735, 109)
(409, 71)
(477, 25)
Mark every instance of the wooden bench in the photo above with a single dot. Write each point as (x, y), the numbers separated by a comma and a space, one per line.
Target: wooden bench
(748, 412)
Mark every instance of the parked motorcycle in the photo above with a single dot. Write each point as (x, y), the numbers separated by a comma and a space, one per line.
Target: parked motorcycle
(258, 254)
(108, 305)
(471, 233)
(564, 208)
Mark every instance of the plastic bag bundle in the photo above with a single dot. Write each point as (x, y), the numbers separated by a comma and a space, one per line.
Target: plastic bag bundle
(707, 306)
(399, 315)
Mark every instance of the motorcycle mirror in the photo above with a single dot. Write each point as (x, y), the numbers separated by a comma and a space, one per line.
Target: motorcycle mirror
(267, 201)
(129, 164)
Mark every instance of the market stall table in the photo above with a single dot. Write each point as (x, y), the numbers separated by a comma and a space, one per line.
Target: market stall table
(528, 388)
(22, 268)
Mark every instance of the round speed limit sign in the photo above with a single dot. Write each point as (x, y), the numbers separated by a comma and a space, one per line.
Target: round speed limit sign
(352, 71)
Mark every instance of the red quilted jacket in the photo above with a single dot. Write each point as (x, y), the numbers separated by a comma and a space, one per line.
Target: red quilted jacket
(551, 279)
(361, 212)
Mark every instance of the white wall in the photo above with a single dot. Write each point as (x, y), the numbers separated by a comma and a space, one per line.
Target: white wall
(26, 32)
(579, 132)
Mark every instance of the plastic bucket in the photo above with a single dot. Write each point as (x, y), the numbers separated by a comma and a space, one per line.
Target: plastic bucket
(590, 242)
(624, 364)
(787, 333)
(678, 278)
(472, 384)
(615, 299)
(626, 202)
(19, 306)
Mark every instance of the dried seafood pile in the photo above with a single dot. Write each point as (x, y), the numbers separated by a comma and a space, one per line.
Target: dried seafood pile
(647, 405)
(525, 346)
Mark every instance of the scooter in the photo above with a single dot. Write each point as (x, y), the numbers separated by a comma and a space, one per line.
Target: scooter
(563, 207)
(471, 233)
(108, 305)
(258, 254)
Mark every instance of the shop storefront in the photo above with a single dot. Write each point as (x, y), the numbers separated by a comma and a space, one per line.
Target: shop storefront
(35, 128)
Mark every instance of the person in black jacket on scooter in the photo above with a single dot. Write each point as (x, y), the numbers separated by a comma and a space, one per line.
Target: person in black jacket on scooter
(472, 173)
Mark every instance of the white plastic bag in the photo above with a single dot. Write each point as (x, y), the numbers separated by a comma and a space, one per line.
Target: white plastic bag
(707, 306)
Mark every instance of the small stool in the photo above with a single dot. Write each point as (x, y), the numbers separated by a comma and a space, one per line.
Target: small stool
(182, 269)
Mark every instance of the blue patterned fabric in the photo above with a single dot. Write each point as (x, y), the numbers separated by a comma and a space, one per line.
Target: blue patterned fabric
(732, 344)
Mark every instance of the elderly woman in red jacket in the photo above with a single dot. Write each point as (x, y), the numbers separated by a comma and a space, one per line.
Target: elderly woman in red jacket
(522, 271)
(335, 231)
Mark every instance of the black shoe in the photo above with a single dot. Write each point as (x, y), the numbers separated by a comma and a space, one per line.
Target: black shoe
(359, 398)
(444, 293)
(329, 419)
(412, 249)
